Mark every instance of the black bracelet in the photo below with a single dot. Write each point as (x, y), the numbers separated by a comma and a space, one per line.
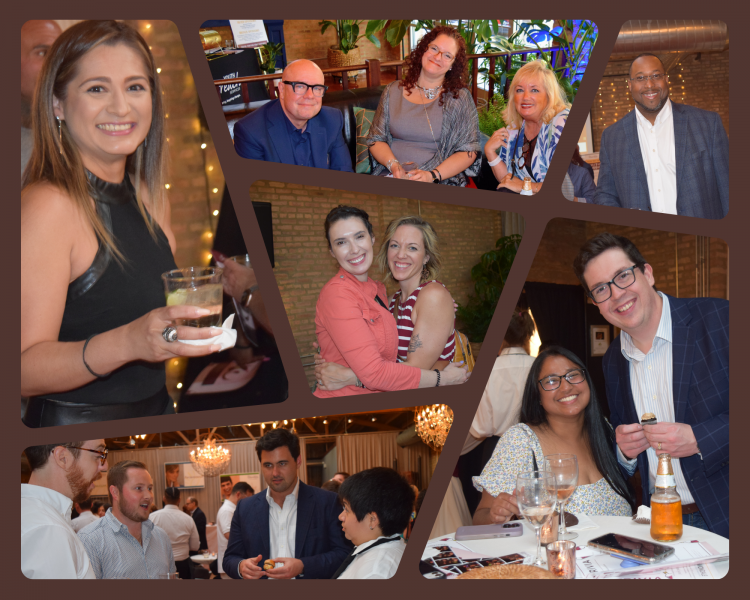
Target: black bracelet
(438, 379)
(83, 355)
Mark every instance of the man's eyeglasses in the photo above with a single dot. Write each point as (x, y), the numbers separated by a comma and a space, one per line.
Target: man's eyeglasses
(622, 280)
(300, 88)
(102, 453)
(657, 77)
(433, 50)
(552, 382)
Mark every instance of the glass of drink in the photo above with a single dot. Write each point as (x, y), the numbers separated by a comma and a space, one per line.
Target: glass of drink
(536, 494)
(565, 469)
(242, 259)
(206, 553)
(196, 286)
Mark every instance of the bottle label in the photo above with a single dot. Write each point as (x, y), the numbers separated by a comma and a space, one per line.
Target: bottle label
(663, 481)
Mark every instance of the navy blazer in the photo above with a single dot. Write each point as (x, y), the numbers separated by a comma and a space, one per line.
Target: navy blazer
(700, 387)
(263, 135)
(319, 541)
(200, 524)
(701, 161)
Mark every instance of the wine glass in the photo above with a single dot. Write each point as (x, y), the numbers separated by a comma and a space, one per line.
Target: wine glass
(536, 494)
(565, 469)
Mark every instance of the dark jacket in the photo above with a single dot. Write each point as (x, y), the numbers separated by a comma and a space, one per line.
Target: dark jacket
(200, 523)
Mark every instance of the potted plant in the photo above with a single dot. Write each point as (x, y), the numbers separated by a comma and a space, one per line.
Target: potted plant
(489, 277)
(269, 52)
(346, 50)
(491, 116)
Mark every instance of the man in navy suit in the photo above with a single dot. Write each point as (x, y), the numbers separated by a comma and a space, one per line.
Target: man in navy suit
(664, 157)
(672, 360)
(296, 129)
(293, 524)
(200, 520)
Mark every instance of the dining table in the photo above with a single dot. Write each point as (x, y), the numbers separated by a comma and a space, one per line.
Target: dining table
(597, 526)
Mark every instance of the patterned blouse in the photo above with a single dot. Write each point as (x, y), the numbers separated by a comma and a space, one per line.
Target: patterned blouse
(406, 326)
(546, 142)
(513, 455)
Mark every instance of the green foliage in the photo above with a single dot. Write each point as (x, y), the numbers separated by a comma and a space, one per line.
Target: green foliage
(491, 117)
(268, 54)
(347, 32)
(489, 277)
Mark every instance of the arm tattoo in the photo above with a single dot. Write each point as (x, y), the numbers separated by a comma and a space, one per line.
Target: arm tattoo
(414, 344)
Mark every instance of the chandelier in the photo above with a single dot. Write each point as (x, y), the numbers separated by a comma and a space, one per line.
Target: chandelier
(433, 423)
(209, 459)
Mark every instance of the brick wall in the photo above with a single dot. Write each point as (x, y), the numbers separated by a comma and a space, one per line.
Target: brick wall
(303, 40)
(553, 262)
(703, 83)
(304, 264)
(194, 172)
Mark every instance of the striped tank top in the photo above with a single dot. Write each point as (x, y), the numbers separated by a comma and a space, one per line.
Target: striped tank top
(406, 327)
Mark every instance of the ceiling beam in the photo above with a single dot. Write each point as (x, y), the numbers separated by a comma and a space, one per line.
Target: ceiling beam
(182, 435)
(248, 432)
(375, 425)
(310, 426)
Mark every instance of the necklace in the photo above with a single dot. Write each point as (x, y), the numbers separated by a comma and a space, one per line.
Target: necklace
(429, 93)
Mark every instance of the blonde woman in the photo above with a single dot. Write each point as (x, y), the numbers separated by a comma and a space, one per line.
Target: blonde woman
(535, 116)
(96, 236)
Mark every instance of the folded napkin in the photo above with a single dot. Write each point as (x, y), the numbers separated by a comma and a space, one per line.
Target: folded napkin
(584, 522)
(227, 338)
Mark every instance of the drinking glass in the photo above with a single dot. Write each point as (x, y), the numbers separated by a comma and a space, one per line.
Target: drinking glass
(174, 575)
(206, 553)
(536, 494)
(196, 286)
(242, 259)
(565, 469)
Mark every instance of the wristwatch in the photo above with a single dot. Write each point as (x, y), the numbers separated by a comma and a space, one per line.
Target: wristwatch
(435, 178)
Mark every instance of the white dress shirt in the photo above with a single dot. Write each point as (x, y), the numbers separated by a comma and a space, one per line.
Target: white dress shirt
(651, 384)
(379, 563)
(50, 548)
(82, 520)
(282, 523)
(500, 405)
(657, 150)
(223, 525)
(180, 528)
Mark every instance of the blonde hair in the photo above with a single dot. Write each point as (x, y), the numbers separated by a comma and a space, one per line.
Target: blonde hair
(429, 237)
(556, 98)
(56, 159)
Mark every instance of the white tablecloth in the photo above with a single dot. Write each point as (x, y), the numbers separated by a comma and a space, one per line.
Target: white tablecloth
(621, 525)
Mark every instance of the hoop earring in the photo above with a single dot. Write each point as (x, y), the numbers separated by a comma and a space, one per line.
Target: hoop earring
(59, 133)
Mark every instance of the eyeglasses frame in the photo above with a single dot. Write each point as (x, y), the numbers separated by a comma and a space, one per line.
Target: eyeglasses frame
(656, 77)
(611, 282)
(566, 377)
(312, 87)
(440, 53)
(102, 453)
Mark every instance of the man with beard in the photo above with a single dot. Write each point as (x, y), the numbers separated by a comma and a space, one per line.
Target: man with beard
(60, 475)
(290, 531)
(124, 544)
(663, 156)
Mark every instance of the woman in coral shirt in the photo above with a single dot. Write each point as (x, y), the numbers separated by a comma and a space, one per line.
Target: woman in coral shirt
(353, 324)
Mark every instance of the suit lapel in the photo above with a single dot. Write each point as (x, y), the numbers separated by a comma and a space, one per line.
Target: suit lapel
(318, 145)
(305, 509)
(683, 346)
(680, 123)
(277, 130)
(634, 144)
(264, 526)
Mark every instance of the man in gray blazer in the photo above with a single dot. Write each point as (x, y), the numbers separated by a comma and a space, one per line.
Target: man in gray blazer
(662, 156)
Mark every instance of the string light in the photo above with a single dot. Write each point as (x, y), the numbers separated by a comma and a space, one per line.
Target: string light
(203, 147)
(166, 185)
(158, 70)
(215, 190)
(179, 386)
(216, 213)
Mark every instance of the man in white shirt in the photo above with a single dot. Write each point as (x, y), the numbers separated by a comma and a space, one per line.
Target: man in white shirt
(181, 530)
(672, 360)
(85, 516)
(224, 519)
(294, 525)
(60, 475)
(664, 157)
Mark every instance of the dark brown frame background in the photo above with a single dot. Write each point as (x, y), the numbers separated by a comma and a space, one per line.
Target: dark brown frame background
(538, 211)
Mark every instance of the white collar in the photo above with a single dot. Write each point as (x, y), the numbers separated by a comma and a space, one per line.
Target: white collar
(172, 507)
(513, 350)
(664, 114)
(294, 495)
(60, 502)
(364, 546)
(664, 332)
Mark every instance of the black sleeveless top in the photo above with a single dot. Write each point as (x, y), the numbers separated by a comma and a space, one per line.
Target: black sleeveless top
(110, 294)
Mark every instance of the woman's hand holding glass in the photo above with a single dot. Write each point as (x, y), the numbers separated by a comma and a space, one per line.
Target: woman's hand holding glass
(497, 139)
(398, 171)
(536, 494)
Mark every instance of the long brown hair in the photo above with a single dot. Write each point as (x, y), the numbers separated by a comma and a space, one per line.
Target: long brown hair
(431, 248)
(455, 78)
(56, 159)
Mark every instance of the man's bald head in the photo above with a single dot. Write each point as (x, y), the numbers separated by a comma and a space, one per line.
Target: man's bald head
(36, 39)
(299, 109)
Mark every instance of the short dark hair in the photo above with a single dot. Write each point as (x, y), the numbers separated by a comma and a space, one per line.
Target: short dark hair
(192, 499)
(383, 491)
(86, 504)
(331, 486)
(346, 212)
(521, 327)
(596, 430)
(118, 475)
(172, 495)
(243, 487)
(224, 479)
(276, 438)
(39, 455)
(630, 68)
(96, 506)
(598, 245)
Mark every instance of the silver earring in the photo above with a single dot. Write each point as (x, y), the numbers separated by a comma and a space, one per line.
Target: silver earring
(59, 132)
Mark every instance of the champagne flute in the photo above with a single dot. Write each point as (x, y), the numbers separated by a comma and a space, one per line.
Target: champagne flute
(536, 494)
(565, 469)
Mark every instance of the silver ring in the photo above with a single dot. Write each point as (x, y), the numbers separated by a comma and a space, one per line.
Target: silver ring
(169, 334)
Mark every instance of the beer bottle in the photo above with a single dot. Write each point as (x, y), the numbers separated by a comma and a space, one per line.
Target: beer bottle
(666, 506)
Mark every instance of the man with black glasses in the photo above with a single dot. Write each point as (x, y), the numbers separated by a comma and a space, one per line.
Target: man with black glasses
(662, 156)
(60, 475)
(296, 129)
(672, 360)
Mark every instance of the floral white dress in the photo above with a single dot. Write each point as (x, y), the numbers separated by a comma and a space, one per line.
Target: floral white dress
(513, 455)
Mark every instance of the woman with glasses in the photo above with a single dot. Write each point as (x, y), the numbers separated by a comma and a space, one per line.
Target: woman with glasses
(535, 116)
(426, 127)
(560, 414)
